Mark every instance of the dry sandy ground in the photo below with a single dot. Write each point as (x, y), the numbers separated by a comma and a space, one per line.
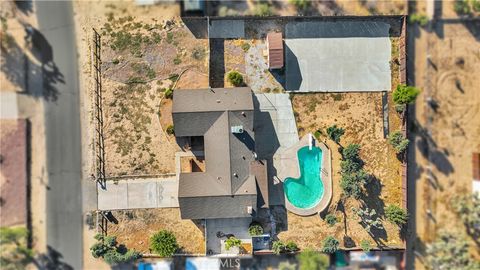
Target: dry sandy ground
(135, 228)
(360, 114)
(454, 125)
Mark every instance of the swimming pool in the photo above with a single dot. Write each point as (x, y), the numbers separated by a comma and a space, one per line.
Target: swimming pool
(306, 191)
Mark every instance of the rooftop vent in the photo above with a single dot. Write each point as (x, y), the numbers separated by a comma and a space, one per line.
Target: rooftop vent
(237, 129)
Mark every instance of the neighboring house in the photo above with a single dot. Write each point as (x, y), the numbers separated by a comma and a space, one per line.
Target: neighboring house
(234, 183)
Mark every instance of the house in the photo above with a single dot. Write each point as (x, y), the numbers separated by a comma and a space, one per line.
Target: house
(275, 50)
(234, 182)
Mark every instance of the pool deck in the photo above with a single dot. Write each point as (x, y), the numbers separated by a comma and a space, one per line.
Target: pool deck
(289, 167)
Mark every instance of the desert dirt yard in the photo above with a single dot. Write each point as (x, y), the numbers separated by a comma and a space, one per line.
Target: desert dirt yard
(145, 51)
(360, 114)
(447, 133)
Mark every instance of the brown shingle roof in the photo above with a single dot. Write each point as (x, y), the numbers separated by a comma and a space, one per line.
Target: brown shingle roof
(275, 50)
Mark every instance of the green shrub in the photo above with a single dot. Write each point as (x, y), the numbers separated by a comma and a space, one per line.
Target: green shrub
(235, 78)
(107, 248)
(164, 243)
(232, 242)
(400, 108)
(291, 246)
(462, 7)
(262, 9)
(317, 134)
(398, 141)
(170, 130)
(278, 247)
(312, 260)
(421, 19)
(169, 93)
(351, 152)
(255, 229)
(300, 4)
(335, 133)
(331, 219)
(352, 184)
(287, 266)
(405, 94)
(246, 46)
(396, 215)
(476, 5)
(330, 245)
(365, 245)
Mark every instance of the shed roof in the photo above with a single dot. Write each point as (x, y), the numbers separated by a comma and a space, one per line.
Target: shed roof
(275, 50)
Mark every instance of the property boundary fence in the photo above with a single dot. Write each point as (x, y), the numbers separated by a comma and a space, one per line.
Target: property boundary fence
(99, 144)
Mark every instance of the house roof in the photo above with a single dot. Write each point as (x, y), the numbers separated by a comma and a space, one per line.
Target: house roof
(212, 113)
(275, 50)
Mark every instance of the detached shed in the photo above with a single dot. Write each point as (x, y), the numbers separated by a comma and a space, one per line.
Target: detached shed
(275, 50)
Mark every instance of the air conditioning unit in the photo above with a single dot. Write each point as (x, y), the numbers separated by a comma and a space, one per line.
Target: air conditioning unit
(237, 129)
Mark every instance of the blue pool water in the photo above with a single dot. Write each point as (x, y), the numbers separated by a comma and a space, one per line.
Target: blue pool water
(306, 191)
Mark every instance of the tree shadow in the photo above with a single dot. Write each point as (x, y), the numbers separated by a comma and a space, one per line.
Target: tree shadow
(19, 69)
(52, 259)
(25, 6)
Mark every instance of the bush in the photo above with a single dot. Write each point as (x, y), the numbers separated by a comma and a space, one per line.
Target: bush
(246, 46)
(330, 245)
(462, 7)
(262, 9)
(300, 4)
(170, 130)
(312, 260)
(405, 94)
(235, 78)
(169, 93)
(365, 245)
(107, 248)
(352, 152)
(255, 229)
(449, 251)
(352, 183)
(232, 242)
(398, 141)
(291, 246)
(396, 215)
(331, 219)
(421, 19)
(400, 108)
(476, 5)
(278, 247)
(335, 133)
(164, 243)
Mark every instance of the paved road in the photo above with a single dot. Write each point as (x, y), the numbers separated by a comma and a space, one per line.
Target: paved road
(63, 136)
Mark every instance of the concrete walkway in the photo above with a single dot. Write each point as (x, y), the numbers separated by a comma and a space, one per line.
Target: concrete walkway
(139, 193)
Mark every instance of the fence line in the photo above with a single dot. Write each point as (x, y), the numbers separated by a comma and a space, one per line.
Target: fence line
(99, 144)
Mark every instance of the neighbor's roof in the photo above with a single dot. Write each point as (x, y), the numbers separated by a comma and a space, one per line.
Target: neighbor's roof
(275, 50)
(211, 113)
(13, 172)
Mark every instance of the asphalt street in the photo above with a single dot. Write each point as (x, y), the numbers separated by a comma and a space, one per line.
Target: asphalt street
(62, 127)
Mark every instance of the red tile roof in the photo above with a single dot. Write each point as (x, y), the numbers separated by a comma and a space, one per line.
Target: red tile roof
(13, 172)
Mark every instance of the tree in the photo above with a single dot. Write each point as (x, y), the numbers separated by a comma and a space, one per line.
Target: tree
(335, 133)
(108, 248)
(368, 218)
(262, 9)
(232, 242)
(330, 245)
(421, 19)
(405, 94)
(352, 152)
(14, 253)
(398, 141)
(164, 243)
(255, 229)
(331, 219)
(450, 252)
(462, 7)
(278, 247)
(396, 215)
(312, 260)
(300, 5)
(352, 183)
(365, 245)
(235, 78)
(468, 209)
